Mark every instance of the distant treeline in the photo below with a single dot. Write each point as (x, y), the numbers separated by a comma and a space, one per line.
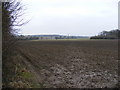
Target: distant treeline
(113, 34)
(45, 37)
(22, 37)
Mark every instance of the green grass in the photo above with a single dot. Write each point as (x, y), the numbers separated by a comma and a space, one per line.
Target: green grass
(22, 72)
(26, 75)
(34, 85)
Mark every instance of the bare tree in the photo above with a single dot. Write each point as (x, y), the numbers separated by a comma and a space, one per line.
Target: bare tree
(11, 20)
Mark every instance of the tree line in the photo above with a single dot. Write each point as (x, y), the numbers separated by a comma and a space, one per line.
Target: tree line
(113, 34)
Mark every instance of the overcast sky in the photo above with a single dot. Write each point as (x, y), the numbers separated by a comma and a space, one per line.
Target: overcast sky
(73, 17)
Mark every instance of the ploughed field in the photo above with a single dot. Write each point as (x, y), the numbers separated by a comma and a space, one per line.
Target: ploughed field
(72, 64)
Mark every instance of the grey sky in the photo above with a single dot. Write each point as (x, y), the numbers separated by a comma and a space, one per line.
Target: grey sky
(74, 17)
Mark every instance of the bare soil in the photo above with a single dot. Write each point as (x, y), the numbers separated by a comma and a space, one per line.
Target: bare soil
(72, 64)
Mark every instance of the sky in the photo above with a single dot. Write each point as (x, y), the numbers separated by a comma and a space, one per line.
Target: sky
(70, 17)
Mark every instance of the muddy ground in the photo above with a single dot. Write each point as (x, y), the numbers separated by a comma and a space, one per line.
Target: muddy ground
(72, 64)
